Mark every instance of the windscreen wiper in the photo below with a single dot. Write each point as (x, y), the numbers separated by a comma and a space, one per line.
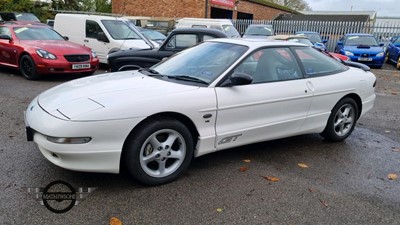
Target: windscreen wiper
(188, 78)
(150, 72)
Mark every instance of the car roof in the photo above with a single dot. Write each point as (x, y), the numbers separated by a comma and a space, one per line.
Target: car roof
(306, 32)
(210, 31)
(358, 34)
(255, 42)
(260, 25)
(23, 23)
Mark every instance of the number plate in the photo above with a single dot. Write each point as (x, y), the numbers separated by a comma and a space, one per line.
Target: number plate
(365, 59)
(80, 66)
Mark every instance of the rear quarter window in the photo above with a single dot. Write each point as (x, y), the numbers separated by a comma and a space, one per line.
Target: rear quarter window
(317, 64)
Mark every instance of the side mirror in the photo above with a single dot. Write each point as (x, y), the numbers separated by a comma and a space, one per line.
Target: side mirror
(240, 79)
(340, 43)
(324, 41)
(101, 36)
(5, 37)
(66, 38)
(381, 44)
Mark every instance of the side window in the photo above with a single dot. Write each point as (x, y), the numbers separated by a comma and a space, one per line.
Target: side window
(181, 41)
(271, 64)
(92, 29)
(397, 41)
(5, 31)
(316, 64)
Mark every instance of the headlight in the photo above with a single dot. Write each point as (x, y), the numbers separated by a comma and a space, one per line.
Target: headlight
(45, 54)
(94, 55)
(348, 53)
(380, 54)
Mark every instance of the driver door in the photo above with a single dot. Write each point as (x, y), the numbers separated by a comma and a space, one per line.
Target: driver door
(275, 105)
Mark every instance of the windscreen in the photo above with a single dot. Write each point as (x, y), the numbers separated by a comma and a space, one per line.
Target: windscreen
(36, 33)
(119, 30)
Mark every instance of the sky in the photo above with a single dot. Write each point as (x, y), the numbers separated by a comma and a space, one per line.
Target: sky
(382, 7)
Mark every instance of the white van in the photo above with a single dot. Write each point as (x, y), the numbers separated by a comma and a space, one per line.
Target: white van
(103, 34)
(224, 25)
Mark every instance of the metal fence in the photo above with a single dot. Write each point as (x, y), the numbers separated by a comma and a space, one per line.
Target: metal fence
(331, 30)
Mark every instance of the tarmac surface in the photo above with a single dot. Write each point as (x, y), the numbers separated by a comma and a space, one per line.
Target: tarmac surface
(299, 180)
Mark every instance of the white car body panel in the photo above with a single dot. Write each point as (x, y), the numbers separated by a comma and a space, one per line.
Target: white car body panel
(108, 107)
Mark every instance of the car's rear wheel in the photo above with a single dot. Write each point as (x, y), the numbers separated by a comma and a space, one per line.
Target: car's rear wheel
(28, 69)
(159, 151)
(342, 120)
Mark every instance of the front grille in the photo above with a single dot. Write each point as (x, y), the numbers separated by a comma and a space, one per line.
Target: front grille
(77, 58)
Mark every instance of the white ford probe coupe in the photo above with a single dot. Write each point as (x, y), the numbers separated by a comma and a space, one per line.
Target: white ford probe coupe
(220, 94)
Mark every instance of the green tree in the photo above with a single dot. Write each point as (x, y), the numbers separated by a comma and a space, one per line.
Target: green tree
(297, 5)
(84, 5)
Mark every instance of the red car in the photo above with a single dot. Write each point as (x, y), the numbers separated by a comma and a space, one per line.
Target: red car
(38, 50)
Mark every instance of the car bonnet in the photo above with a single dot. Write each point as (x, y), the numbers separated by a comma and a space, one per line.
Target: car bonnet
(72, 99)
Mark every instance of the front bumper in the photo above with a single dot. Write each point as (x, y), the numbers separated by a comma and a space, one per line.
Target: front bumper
(47, 66)
(374, 61)
(101, 154)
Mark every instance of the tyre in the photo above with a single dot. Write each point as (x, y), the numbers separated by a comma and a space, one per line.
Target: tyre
(342, 120)
(159, 151)
(387, 58)
(398, 64)
(27, 67)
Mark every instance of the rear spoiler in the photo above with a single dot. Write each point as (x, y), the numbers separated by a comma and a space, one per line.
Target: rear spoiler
(357, 65)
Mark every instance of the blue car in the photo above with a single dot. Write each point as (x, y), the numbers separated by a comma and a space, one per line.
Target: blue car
(393, 52)
(315, 38)
(363, 48)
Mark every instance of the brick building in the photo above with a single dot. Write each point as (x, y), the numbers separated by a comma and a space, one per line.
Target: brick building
(231, 9)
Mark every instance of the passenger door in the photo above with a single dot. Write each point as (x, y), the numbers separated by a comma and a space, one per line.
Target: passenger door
(394, 50)
(8, 51)
(275, 105)
(92, 33)
(177, 43)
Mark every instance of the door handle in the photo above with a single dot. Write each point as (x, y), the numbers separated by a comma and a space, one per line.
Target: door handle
(87, 41)
(310, 86)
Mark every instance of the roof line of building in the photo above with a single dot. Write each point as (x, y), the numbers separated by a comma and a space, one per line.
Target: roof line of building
(274, 5)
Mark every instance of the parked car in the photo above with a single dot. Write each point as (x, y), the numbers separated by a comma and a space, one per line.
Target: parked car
(153, 35)
(258, 30)
(223, 25)
(304, 40)
(393, 52)
(18, 16)
(103, 34)
(315, 38)
(178, 40)
(160, 24)
(363, 48)
(214, 96)
(38, 50)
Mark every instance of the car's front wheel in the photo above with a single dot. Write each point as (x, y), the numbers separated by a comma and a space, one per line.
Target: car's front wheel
(342, 120)
(159, 151)
(28, 69)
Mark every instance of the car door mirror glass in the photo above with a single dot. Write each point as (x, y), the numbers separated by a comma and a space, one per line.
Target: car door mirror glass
(239, 78)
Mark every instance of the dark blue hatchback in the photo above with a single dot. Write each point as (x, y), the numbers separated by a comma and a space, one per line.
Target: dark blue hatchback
(393, 52)
(363, 48)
